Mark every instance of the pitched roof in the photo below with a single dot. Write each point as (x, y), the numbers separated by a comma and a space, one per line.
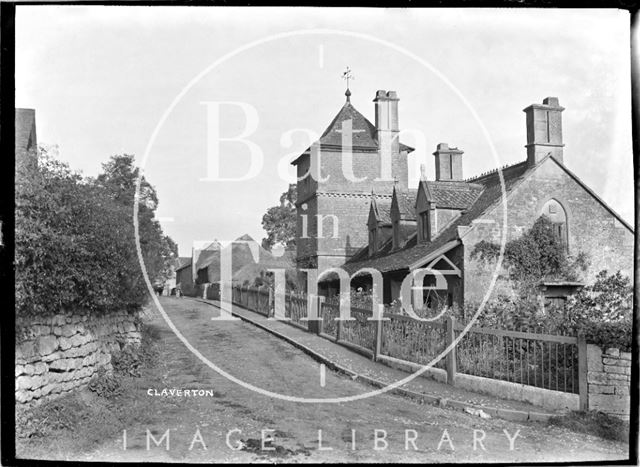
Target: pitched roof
(491, 193)
(242, 259)
(364, 133)
(407, 204)
(382, 208)
(182, 262)
(25, 129)
(454, 194)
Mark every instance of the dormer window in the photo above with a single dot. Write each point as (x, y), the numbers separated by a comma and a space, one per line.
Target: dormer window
(396, 234)
(373, 240)
(423, 227)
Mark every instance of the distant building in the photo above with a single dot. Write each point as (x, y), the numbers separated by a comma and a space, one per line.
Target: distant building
(204, 266)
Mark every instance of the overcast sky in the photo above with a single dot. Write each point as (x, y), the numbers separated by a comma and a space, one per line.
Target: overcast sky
(102, 77)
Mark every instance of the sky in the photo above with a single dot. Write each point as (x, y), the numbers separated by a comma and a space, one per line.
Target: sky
(147, 81)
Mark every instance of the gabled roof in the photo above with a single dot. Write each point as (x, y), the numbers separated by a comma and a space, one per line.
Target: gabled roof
(406, 203)
(381, 209)
(386, 260)
(242, 258)
(364, 133)
(182, 261)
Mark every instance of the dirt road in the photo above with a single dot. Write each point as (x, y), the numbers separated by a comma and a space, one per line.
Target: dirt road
(229, 422)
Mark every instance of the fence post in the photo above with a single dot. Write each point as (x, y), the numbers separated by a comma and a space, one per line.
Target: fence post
(582, 372)
(338, 327)
(377, 347)
(450, 359)
(271, 306)
(320, 326)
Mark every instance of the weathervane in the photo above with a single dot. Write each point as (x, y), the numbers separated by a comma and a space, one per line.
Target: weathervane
(348, 76)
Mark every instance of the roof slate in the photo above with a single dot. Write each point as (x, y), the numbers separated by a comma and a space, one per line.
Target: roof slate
(407, 204)
(364, 133)
(454, 195)
(383, 209)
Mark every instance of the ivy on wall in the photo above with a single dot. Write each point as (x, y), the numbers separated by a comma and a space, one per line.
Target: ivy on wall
(602, 311)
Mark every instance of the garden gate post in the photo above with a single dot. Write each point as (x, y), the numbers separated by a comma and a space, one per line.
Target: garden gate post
(582, 372)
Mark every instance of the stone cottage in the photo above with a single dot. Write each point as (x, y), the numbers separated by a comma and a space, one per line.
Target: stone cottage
(395, 229)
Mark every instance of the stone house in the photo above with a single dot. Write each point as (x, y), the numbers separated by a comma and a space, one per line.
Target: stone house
(395, 229)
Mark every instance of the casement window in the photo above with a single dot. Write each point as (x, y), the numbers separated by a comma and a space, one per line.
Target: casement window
(424, 226)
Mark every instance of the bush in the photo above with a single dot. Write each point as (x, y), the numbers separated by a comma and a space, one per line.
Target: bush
(131, 359)
(74, 239)
(106, 384)
(601, 311)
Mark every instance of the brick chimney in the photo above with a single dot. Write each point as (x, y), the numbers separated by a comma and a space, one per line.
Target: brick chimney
(448, 163)
(544, 130)
(387, 126)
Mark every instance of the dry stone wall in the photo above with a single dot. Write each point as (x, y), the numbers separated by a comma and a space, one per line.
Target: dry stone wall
(609, 380)
(55, 355)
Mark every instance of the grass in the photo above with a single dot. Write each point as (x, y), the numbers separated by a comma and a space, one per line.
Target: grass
(96, 411)
(594, 423)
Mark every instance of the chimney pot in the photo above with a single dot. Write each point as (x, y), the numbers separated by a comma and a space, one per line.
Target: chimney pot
(551, 101)
(381, 94)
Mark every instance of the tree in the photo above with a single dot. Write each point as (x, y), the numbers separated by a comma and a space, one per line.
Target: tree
(75, 239)
(280, 221)
(119, 179)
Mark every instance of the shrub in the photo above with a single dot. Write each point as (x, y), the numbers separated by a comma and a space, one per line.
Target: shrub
(106, 384)
(74, 239)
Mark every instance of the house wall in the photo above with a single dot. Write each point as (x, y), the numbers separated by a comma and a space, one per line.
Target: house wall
(592, 229)
(442, 217)
(365, 165)
(349, 201)
(184, 276)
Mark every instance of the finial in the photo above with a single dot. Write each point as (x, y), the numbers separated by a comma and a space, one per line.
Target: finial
(347, 75)
(423, 172)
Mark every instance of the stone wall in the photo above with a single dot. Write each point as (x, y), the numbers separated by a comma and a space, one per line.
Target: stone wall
(608, 380)
(55, 355)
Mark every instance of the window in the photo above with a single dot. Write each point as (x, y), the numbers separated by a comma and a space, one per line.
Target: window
(373, 240)
(557, 215)
(396, 234)
(424, 226)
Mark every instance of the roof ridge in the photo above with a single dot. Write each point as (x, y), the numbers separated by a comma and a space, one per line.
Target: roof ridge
(494, 171)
